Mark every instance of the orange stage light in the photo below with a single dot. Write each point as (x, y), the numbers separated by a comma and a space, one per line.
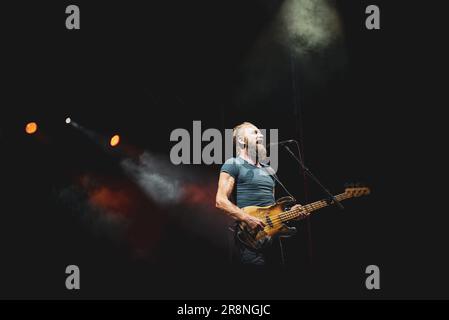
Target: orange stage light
(115, 140)
(31, 127)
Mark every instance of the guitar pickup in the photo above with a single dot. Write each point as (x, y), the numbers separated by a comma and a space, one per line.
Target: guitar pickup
(268, 221)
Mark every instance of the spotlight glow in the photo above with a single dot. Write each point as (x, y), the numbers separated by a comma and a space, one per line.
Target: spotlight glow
(310, 24)
(31, 127)
(68, 120)
(115, 140)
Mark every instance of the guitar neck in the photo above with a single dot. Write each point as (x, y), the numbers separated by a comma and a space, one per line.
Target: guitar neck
(309, 208)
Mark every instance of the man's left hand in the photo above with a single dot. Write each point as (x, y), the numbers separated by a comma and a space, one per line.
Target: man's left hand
(300, 208)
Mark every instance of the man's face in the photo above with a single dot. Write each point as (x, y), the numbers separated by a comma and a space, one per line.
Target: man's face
(254, 143)
(253, 136)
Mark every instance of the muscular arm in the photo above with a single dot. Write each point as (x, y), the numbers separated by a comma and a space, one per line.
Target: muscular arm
(225, 186)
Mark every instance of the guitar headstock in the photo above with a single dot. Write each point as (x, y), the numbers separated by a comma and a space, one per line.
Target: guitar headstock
(357, 191)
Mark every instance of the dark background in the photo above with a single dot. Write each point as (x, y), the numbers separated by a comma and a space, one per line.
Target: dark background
(145, 69)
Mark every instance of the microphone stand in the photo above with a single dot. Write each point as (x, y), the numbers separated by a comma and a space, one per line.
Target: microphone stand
(310, 174)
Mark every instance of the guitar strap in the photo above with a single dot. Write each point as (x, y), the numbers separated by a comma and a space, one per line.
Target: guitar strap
(272, 173)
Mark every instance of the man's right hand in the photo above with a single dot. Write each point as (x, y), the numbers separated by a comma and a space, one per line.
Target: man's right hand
(253, 222)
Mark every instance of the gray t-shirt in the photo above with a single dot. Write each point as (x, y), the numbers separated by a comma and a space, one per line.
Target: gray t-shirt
(254, 186)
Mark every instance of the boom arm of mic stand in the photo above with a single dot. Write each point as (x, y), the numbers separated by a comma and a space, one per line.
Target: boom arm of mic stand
(310, 174)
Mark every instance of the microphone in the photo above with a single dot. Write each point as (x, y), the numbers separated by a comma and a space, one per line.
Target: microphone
(280, 143)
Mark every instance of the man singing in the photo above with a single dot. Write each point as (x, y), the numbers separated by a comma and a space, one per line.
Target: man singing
(251, 181)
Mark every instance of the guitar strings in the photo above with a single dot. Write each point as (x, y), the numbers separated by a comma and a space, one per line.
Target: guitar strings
(278, 220)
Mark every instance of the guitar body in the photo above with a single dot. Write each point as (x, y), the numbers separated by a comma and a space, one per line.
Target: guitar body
(257, 239)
